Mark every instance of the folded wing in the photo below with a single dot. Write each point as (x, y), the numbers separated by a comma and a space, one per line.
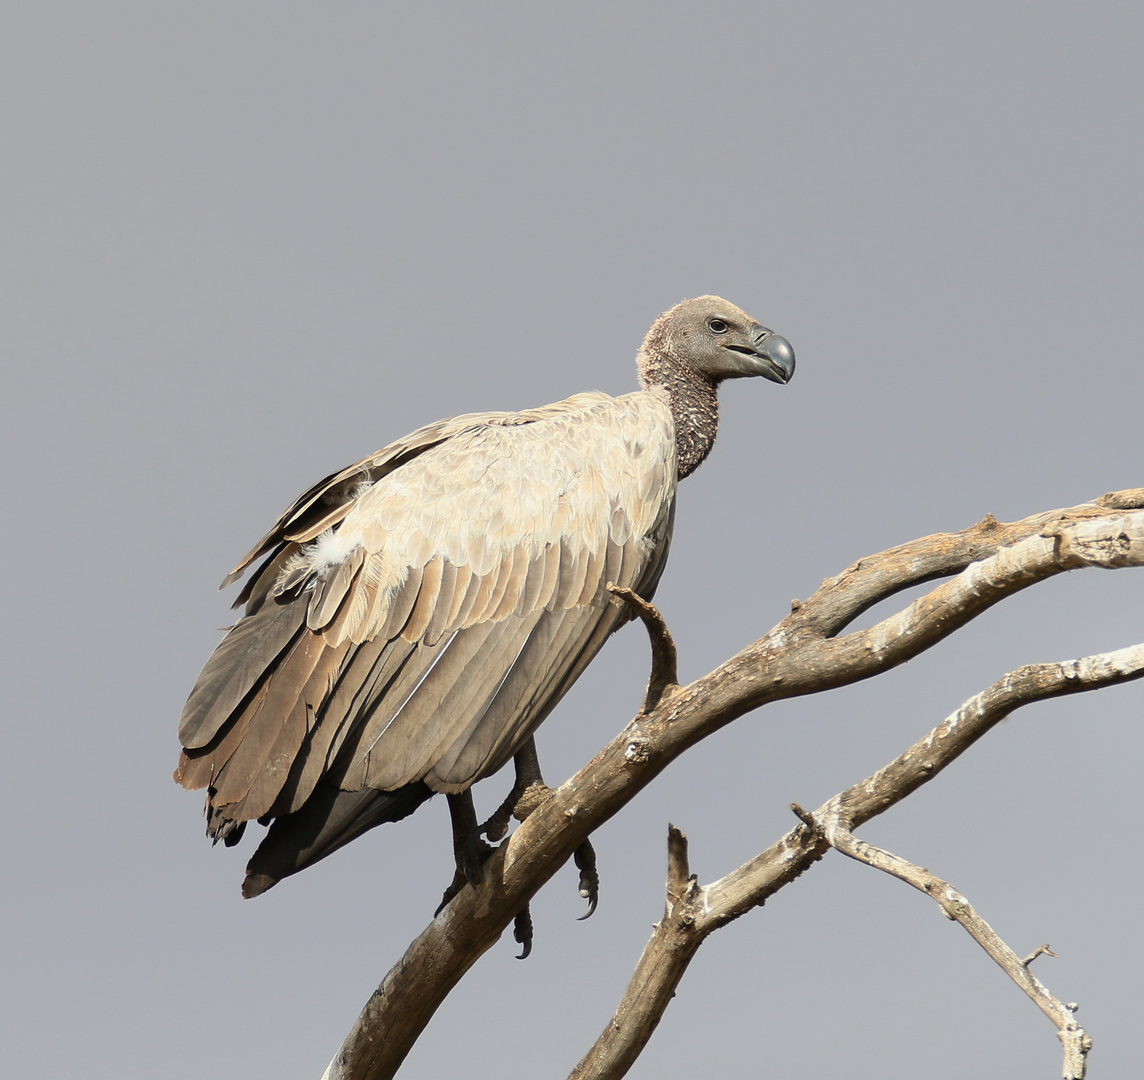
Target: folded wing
(420, 613)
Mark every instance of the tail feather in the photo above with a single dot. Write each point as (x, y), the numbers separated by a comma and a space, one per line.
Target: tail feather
(326, 821)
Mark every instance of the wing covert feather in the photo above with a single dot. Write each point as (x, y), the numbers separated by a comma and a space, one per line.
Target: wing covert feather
(422, 611)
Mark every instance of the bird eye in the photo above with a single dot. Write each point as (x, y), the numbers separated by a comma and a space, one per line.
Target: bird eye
(717, 326)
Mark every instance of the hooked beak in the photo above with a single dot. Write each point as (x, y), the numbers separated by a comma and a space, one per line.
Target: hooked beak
(770, 356)
(773, 356)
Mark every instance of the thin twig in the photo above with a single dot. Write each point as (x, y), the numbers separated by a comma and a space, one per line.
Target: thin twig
(1040, 950)
(1074, 1039)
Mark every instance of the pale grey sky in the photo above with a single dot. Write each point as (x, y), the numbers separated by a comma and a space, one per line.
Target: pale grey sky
(244, 244)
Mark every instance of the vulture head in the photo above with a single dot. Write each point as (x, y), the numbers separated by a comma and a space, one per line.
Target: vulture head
(690, 350)
(709, 338)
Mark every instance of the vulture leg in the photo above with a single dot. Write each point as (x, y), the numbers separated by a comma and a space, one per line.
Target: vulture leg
(469, 850)
(529, 792)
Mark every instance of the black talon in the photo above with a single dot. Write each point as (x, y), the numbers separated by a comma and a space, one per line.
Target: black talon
(457, 884)
(592, 901)
(522, 931)
(496, 827)
(528, 793)
(585, 859)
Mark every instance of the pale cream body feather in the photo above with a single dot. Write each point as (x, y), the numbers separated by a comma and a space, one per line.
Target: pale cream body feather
(430, 605)
(419, 613)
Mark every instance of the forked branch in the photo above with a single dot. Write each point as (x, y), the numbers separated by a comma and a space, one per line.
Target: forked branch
(803, 654)
(702, 909)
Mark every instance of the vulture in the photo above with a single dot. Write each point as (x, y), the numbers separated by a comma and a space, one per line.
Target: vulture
(417, 615)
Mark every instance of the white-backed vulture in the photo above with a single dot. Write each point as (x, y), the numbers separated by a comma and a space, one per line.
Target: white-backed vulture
(418, 614)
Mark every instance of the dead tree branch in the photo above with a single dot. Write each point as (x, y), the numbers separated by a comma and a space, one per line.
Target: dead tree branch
(1073, 1038)
(675, 940)
(803, 654)
(1040, 950)
(700, 910)
(664, 661)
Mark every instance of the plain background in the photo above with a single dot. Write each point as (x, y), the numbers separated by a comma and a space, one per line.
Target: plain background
(244, 244)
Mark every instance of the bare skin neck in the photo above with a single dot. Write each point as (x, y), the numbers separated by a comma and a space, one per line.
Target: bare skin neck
(694, 404)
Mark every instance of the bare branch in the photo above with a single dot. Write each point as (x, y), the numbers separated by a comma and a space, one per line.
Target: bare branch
(1040, 950)
(678, 867)
(841, 599)
(799, 656)
(958, 909)
(755, 881)
(664, 660)
(669, 951)
(1130, 499)
(675, 940)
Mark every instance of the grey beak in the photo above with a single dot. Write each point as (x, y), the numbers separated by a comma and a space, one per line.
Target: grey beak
(777, 357)
(772, 357)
